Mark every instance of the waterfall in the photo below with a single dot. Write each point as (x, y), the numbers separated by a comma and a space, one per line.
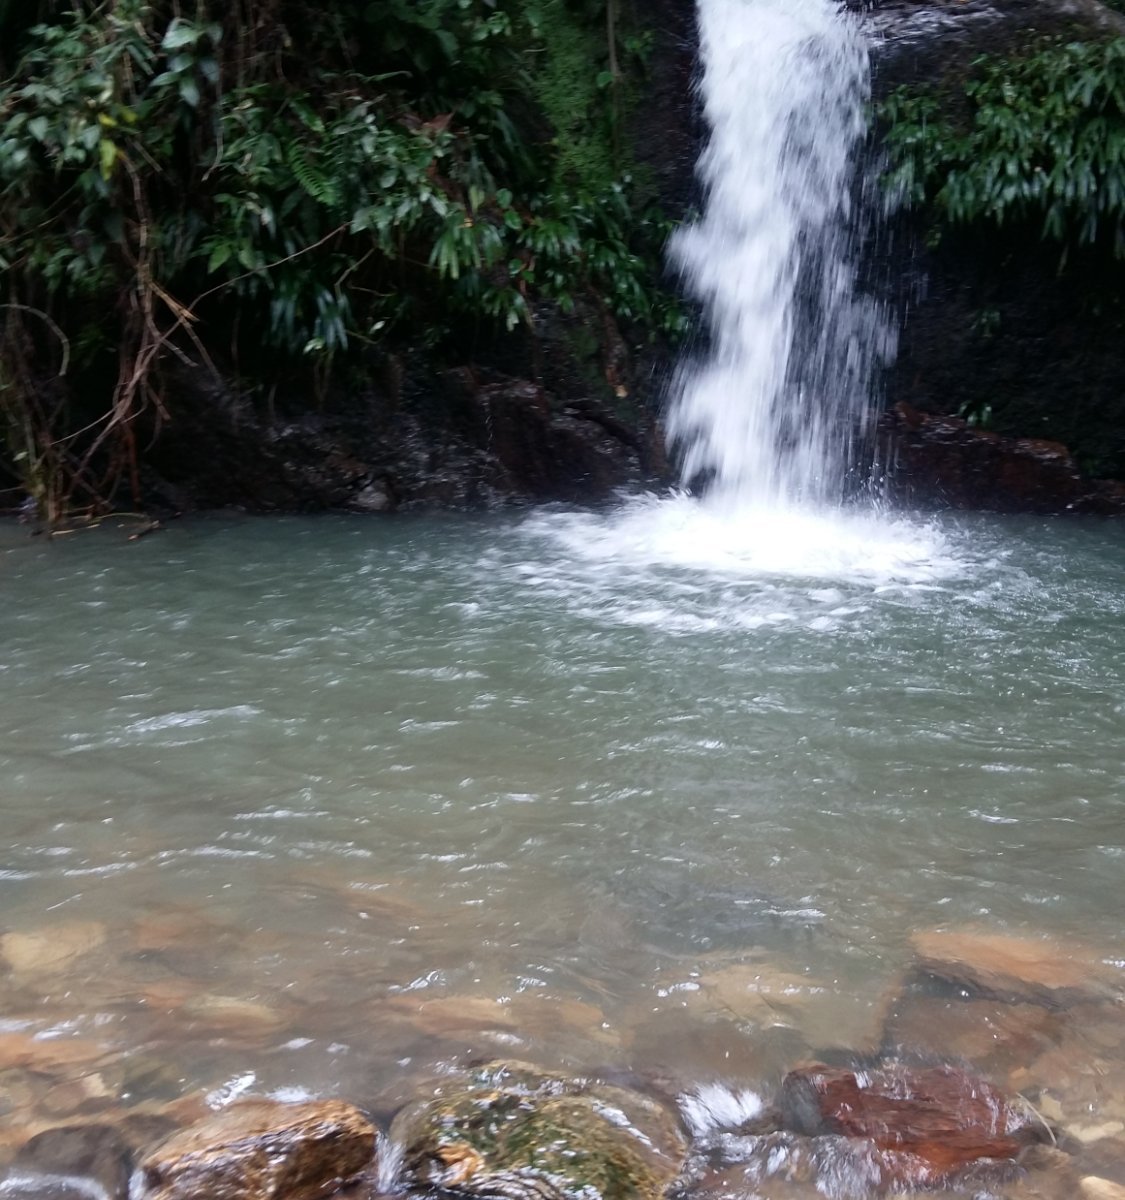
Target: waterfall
(770, 417)
(768, 421)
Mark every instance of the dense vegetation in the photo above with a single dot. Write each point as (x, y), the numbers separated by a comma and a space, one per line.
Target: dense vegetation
(301, 178)
(1013, 168)
(1034, 143)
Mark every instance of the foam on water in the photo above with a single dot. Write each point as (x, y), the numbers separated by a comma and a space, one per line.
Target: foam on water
(713, 536)
(768, 423)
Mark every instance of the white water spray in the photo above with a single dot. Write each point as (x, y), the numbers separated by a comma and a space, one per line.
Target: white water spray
(770, 418)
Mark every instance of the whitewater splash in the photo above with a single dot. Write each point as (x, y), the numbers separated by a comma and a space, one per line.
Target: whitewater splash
(771, 417)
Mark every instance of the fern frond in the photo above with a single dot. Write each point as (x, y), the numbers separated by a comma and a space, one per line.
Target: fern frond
(320, 187)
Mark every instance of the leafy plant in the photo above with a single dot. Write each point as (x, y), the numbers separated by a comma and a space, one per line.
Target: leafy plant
(325, 178)
(1039, 139)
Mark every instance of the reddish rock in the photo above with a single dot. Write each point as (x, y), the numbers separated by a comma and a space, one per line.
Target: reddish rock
(263, 1151)
(930, 1123)
(943, 459)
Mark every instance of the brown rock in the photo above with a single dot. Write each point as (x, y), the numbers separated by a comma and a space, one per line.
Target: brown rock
(46, 951)
(992, 1035)
(93, 1152)
(262, 1151)
(941, 1117)
(49, 1056)
(1049, 1174)
(1036, 970)
(85, 1093)
(1094, 1188)
(943, 459)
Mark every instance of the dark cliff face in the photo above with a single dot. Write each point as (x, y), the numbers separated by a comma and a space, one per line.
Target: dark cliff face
(996, 327)
(666, 127)
(931, 40)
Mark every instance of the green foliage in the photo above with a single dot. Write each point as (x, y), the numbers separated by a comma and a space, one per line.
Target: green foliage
(317, 178)
(573, 100)
(1036, 139)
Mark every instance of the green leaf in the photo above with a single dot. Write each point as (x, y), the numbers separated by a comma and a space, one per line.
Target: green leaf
(180, 33)
(219, 255)
(107, 157)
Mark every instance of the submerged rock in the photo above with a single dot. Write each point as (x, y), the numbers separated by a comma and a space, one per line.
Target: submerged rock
(82, 1153)
(1094, 1188)
(511, 1131)
(929, 1124)
(994, 1035)
(1035, 970)
(262, 1151)
(46, 951)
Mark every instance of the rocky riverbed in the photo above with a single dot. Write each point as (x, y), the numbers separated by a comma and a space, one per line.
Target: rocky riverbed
(992, 1065)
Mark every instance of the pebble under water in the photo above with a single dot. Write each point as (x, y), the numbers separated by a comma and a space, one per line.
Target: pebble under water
(317, 806)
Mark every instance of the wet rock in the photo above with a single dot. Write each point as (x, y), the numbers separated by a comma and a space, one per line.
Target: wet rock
(995, 1037)
(262, 1151)
(1049, 1174)
(1035, 970)
(50, 1056)
(1089, 1133)
(180, 927)
(930, 1123)
(526, 1016)
(1105, 1159)
(49, 950)
(419, 438)
(95, 1153)
(82, 1094)
(233, 1014)
(933, 458)
(768, 994)
(23, 1185)
(1094, 1188)
(444, 1015)
(921, 40)
(681, 1047)
(372, 498)
(512, 1131)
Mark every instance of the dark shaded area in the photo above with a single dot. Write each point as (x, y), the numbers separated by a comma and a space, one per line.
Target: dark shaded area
(1013, 335)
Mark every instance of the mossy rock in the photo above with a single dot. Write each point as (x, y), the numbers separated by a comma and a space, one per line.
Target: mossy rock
(511, 1131)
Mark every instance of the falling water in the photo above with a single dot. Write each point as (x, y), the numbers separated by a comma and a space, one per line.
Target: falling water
(771, 417)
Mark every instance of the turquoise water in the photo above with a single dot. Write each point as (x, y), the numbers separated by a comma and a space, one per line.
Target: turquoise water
(347, 798)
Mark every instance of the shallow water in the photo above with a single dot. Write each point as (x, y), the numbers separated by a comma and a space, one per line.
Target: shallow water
(350, 798)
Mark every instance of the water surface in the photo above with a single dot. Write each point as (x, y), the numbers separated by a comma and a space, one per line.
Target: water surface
(350, 797)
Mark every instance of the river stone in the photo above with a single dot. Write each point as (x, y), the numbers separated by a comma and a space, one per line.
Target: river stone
(1034, 970)
(46, 951)
(50, 1056)
(1094, 1188)
(95, 1153)
(930, 1123)
(994, 1036)
(262, 1151)
(21, 1185)
(512, 1131)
